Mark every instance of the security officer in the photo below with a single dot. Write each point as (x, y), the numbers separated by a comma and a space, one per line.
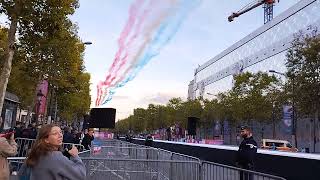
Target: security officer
(148, 141)
(246, 153)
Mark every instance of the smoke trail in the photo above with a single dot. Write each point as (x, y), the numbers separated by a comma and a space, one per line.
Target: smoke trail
(124, 48)
(163, 35)
(134, 10)
(149, 29)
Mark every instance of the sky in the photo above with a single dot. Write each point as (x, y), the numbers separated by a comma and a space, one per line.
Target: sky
(203, 34)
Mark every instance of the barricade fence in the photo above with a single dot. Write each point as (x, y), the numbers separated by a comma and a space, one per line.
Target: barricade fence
(137, 169)
(125, 161)
(215, 171)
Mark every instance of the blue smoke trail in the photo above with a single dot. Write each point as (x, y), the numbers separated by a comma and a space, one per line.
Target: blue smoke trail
(161, 37)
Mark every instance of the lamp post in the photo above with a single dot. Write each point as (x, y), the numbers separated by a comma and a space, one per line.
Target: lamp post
(273, 121)
(87, 43)
(39, 98)
(293, 131)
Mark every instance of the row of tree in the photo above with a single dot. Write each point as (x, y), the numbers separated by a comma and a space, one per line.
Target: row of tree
(42, 42)
(253, 97)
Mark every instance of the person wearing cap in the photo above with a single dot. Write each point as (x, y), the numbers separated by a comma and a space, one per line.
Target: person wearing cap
(246, 153)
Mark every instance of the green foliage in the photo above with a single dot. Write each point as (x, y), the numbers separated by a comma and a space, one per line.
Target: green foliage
(249, 99)
(303, 65)
(47, 45)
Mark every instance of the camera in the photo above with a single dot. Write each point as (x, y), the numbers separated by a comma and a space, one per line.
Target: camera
(7, 133)
(66, 153)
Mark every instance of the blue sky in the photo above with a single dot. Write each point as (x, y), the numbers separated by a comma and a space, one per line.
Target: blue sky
(203, 34)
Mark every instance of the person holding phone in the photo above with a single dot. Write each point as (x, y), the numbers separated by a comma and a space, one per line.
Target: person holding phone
(8, 147)
(46, 160)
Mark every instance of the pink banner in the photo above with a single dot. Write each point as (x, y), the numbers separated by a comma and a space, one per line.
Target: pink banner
(42, 89)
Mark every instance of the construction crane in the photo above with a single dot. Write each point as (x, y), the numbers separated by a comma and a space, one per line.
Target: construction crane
(267, 5)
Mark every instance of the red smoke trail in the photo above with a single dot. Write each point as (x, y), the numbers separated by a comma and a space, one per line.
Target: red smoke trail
(134, 10)
(123, 47)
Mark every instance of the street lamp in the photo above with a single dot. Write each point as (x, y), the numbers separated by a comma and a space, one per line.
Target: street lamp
(276, 72)
(87, 43)
(39, 98)
(273, 121)
(293, 133)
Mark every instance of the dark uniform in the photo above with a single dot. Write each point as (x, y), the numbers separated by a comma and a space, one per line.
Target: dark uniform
(246, 155)
(86, 141)
(148, 141)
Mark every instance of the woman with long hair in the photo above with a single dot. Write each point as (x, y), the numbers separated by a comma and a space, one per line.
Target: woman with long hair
(46, 161)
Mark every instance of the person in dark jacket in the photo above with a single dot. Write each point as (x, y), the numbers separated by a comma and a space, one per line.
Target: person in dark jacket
(246, 153)
(76, 137)
(87, 139)
(33, 131)
(148, 141)
(67, 136)
(18, 130)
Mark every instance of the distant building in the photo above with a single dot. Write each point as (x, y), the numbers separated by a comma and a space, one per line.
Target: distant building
(262, 50)
(9, 110)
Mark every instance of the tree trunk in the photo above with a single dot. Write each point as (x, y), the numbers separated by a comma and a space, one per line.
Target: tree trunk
(6, 70)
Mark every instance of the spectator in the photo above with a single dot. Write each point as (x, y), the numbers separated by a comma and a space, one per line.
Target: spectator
(149, 140)
(87, 139)
(8, 147)
(18, 130)
(46, 161)
(246, 153)
(67, 136)
(26, 132)
(168, 131)
(33, 131)
(76, 137)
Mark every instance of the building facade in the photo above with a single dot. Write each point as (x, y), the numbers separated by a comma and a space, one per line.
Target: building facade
(9, 110)
(262, 50)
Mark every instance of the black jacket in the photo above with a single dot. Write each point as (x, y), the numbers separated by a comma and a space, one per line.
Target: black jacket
(68, 138)
(86, 141)
(18, 132)
(246, 153)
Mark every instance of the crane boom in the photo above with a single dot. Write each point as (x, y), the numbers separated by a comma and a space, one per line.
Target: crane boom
(268, 4)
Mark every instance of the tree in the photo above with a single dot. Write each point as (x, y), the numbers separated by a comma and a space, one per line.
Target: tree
(249, 96)
(174, 110)
(190, 108)
(75, 103)
(303, 71)
(39, 23)
(303, 65)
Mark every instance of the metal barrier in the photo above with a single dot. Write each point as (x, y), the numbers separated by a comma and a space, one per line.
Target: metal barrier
(141, 162)
(117, 143)
(24, 145)
(127, 152)
(137, 169)
(215, 171)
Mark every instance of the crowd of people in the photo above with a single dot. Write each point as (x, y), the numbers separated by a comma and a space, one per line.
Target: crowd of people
(70, 134)
(46, 159)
